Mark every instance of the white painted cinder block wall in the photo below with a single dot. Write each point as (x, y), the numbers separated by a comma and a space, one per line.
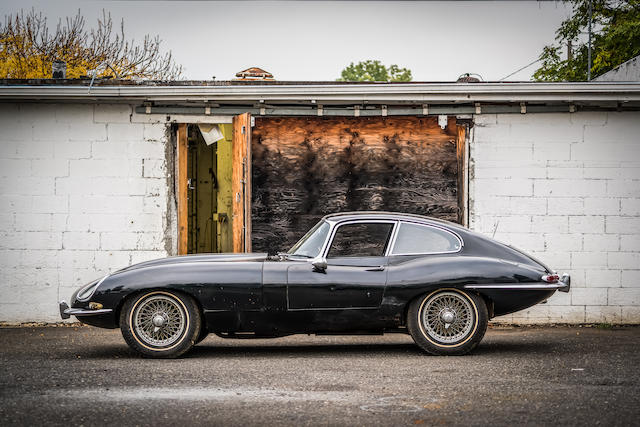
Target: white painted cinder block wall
(83, 192)
(566, 188)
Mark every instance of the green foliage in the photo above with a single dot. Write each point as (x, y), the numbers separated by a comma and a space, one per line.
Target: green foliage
(615, 39)
(374, 71)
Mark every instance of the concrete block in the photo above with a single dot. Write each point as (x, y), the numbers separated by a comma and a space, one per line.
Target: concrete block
(142, 256)
(526, 206)
(34, 222)
(7, 222)
(586, 224)
(603, 278)
(589, 296)
(119, 241)
(153, 168)
(603, 173)
(50, 168)
(560, 299)
(503, 187)
(630, 279)
(564, 172)
(47, 131)
(112, 260)
(601, 151)
(505, 153)
(630, 207)
(588, 259)
(8, 149)
(72, 150)
(112, 149)
(601, 242)
(9, 258)
(601, 206)
(630, 243)
(623, 225)
(146, 150)
(125, 131)
(80, 240)
(87, 131)
(105, 168)
(591, 118)
(112, 113)
(603, 314)
(154, 204)
(623, 188)
(630, 315)
(614, 131)
(624, 296)
(554, 150)
(73, 113)
(155, 132)
(48, 204)
(630, 172)
(105, 204)
(565, 205)
(624, 260)
(550, 224)
(13, 203)
(70, 259)
(505, 224)
(35, 149)
(563, 242)
(30, 240)
(14, 167)
(560, 261)
(568, 188)
(500, 171)
(27, 186)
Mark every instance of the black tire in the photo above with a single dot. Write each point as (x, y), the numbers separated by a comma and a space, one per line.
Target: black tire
(468, 317)
(160, 324)
(203, 333)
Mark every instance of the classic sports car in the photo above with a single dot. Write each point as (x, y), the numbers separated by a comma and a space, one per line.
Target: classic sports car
(352, 273)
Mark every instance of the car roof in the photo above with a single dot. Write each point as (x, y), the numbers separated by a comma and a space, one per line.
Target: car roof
(396, 216)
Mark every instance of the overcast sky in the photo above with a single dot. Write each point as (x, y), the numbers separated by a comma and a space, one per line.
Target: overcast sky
(314, 40)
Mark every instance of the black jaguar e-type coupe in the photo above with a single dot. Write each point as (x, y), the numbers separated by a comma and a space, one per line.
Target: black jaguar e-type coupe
(362, 272)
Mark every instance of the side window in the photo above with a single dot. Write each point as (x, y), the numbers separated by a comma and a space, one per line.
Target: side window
(422, 239)
(362, 239)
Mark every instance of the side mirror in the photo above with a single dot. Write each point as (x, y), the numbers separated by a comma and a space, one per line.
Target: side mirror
(319, 265)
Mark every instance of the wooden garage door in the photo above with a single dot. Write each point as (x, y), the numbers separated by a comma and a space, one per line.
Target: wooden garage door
(304, 168)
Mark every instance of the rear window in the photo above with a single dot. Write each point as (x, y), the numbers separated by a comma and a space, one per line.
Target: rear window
(424, 239)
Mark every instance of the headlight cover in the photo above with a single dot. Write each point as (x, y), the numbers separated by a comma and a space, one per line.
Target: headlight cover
(87, 291)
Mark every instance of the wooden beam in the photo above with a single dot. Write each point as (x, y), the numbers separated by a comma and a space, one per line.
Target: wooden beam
(183, 214)
(462, 176)
(241, 183)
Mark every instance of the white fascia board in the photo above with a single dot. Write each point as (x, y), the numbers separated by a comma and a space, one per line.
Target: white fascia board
(374, 93)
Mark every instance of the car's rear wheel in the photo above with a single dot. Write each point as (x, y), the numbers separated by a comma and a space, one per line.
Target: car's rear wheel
(162, 324)
(447, 321)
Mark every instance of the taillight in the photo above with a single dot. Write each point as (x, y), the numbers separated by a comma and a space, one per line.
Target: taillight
(551, 278)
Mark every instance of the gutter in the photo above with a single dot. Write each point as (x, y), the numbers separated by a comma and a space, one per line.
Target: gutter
(417, 93)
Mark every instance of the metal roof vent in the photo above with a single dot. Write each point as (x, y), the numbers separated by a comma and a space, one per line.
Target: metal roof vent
(59, 70)
(254, 73)
(469, 78)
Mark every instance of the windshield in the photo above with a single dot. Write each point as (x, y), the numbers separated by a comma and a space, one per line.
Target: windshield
(311, 244)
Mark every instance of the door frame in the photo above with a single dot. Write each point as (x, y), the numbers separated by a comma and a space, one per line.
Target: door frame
(241, 184)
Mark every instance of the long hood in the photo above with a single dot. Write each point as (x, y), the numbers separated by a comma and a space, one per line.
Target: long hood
(226, 257)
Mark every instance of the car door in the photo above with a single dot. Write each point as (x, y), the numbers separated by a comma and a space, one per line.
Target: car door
(356, 271)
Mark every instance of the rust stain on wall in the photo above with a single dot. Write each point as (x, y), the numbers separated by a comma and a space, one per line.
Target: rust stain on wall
(305, 168)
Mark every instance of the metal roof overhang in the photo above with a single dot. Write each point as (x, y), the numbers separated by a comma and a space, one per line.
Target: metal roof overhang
(338, 94)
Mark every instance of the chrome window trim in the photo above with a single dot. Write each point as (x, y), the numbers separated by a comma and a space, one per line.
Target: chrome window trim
(422, 224)
(336, 225)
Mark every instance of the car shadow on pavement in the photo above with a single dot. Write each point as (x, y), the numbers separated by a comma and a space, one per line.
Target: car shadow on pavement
(260, 350)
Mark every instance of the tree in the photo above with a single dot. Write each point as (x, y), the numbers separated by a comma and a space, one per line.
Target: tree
(374, 71)
(615, 39)
(28, 49)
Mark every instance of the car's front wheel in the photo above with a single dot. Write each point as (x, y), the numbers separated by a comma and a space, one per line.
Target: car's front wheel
(160, 324)
(447, 321)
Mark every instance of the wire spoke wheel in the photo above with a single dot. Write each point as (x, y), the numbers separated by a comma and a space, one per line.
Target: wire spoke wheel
(448, 317)
(159, 320)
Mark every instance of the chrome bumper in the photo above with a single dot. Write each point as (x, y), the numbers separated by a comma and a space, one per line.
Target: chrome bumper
(66, 312)
(563, 285)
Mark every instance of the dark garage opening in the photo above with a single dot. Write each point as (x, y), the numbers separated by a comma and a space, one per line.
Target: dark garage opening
(305, 168)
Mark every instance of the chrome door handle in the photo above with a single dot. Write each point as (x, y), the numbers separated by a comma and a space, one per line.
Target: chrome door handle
(378, 268)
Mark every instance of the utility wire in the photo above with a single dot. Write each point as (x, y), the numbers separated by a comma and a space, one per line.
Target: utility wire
(520, 69)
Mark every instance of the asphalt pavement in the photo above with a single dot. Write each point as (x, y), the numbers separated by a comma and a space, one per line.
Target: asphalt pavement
(81, 375)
